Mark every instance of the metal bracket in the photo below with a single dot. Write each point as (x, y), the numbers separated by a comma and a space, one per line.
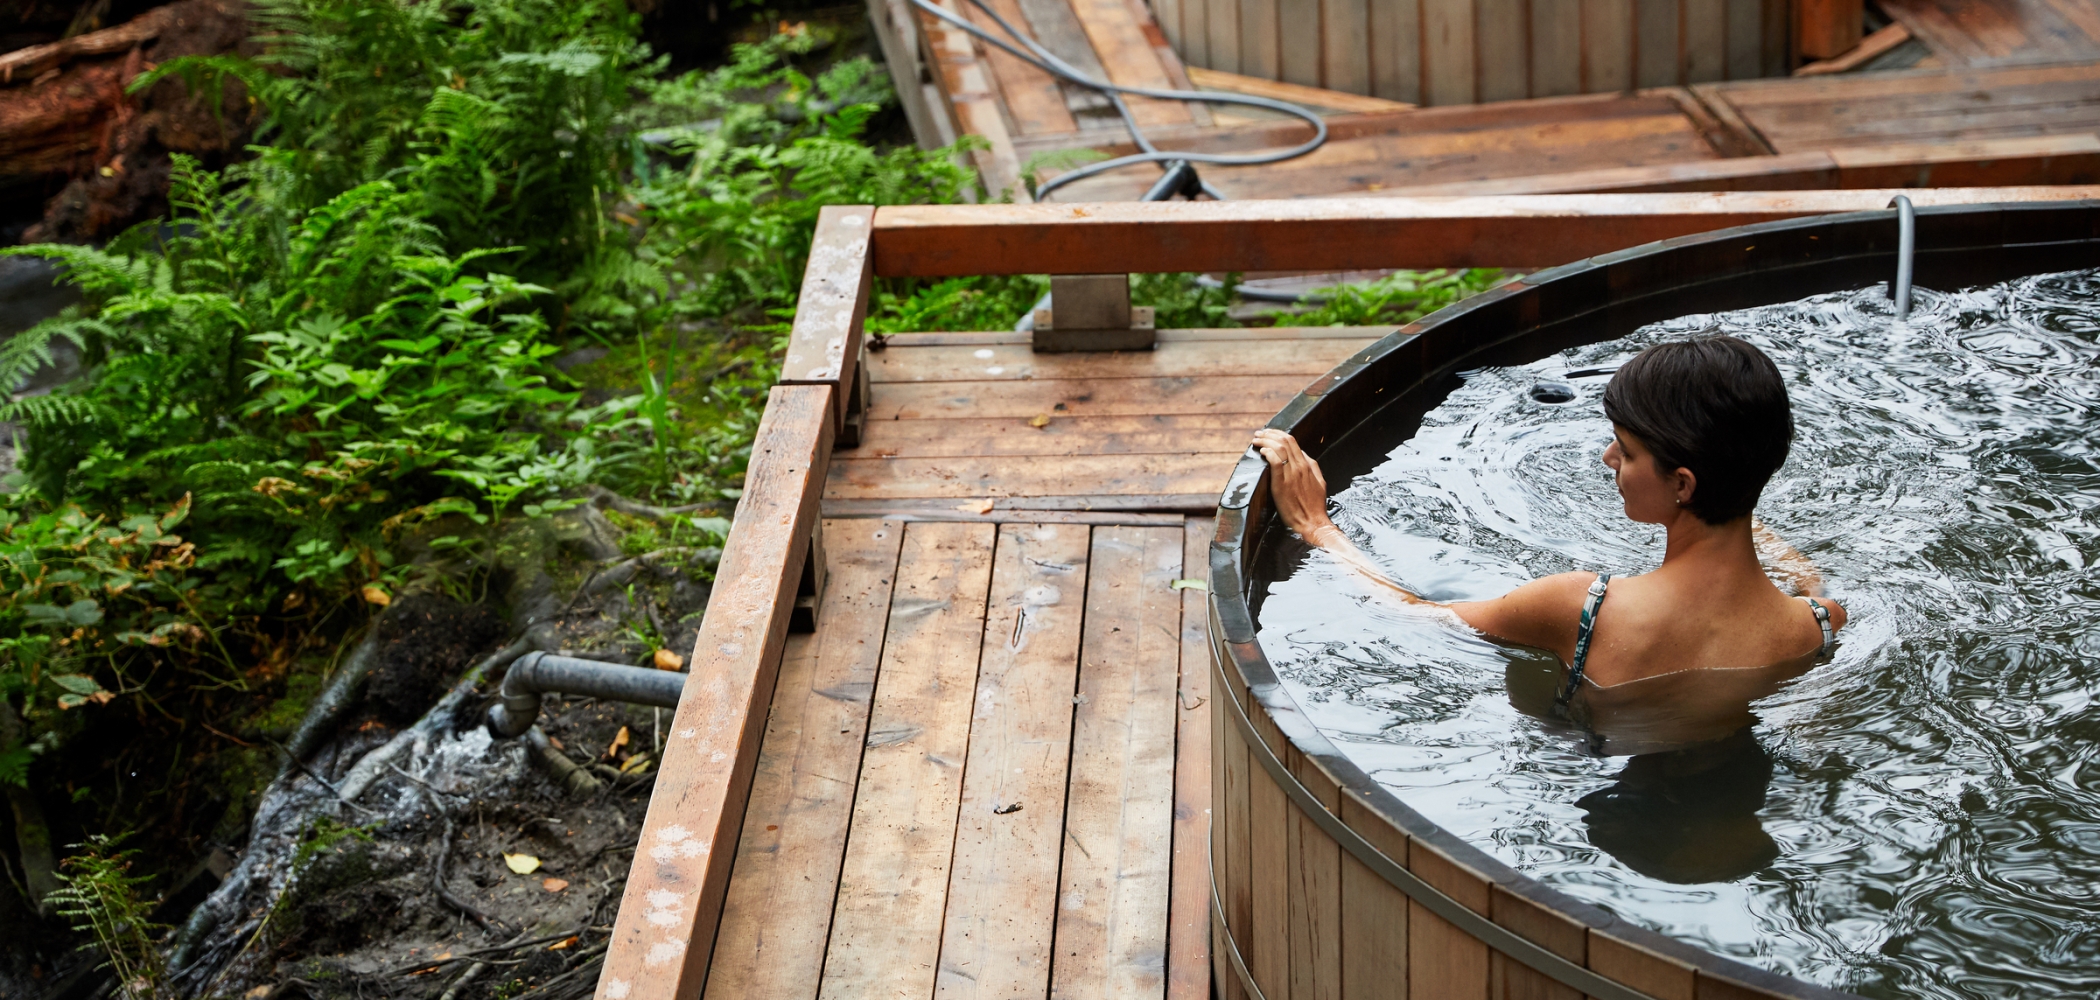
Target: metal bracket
(1092, 312)
(809, 593)
(856, 421)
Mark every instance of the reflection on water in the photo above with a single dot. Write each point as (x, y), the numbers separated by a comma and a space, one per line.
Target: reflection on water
(1919, 817)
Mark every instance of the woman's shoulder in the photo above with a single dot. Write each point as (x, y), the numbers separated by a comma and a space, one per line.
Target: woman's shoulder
(1543, 613)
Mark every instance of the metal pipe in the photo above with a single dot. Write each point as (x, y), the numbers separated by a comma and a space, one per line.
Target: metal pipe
(1906, 250)
(534, 674)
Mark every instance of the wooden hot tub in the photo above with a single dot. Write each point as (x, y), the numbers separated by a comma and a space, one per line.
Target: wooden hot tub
(1327, 885)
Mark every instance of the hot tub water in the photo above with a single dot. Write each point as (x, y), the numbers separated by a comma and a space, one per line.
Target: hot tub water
(1919, 817)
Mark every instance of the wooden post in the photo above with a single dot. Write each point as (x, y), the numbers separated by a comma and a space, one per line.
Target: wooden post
(664, 936)
(825, 341)
(1825, 29)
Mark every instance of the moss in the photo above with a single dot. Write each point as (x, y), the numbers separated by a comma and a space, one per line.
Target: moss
(301, 686)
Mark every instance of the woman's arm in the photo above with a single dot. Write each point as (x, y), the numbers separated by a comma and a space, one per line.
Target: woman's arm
(1535, 614)
(1300, 495)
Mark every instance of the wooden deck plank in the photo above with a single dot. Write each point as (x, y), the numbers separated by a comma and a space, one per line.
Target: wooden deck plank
(1129, 58)
(971, 90)
(1083, 397)
(1035, 101)
(1017, 362)
(981, 476)
(886, 934)
(1188, 892)
(778, 916)
(1112, 912)
(1218, 433)
(1002, 895)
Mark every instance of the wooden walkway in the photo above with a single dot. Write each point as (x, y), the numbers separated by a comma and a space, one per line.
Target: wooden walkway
(1983, 117)
(987, 773)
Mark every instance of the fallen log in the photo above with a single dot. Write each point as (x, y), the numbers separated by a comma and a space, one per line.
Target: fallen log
(68, 126)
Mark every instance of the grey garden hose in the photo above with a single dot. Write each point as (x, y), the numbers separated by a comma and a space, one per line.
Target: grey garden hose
(1906, 252)
(518, 704)
(1048, 62)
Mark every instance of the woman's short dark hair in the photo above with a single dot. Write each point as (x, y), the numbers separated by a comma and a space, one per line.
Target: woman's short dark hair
(1715, 405)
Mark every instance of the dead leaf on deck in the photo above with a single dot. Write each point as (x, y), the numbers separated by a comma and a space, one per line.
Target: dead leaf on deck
(555, 884)
(1039, 421)
(523, 864)
(975, 506)
(618, 742)
(1191, 585)
(667, 660)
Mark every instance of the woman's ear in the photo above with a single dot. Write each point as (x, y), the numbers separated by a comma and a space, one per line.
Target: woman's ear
(1686, 483)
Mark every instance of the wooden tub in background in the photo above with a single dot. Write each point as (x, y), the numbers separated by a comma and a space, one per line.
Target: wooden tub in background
(1326, 884)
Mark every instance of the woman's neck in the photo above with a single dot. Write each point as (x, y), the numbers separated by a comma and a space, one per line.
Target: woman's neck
(1710, 551)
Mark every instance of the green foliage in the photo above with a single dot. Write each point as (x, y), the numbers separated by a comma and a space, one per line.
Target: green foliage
(75, 591)
(510, 114)
(730, 217)
(1400, 297)
(104, 899)
(989, 303)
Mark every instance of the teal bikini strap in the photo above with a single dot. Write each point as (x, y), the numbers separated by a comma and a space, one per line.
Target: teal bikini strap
(1823, 621)
(1583, 632)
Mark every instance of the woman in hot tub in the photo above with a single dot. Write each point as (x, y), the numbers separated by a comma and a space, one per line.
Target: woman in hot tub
(1672, 656)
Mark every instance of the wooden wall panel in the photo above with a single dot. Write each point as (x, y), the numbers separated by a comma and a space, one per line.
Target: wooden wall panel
(1705, 41)
(1503, 49)
(1298, 40)
(1345, 57)
(1658, 55)
(1221, 24)
(1396, 50)
(1607, 46)
(1258, 39)
(1447, 52)
(1439, 52)
(1746, 23)
(1556, 47)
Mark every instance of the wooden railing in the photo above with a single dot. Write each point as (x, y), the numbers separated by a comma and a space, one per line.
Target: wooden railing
(664, 936)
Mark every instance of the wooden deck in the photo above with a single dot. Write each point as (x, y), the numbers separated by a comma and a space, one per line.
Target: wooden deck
(1953, 120)
(986, 775)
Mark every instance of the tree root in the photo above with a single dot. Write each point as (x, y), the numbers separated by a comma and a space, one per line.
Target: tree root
(444, 892)
(572, 777)
(605, 498)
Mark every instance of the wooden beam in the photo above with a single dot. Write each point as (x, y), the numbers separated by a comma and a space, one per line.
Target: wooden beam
(1859, 55)
(664, 936)
(2029, 160)
(1332, 100)
(1347, 233)
(1826, 29)
(824, 342)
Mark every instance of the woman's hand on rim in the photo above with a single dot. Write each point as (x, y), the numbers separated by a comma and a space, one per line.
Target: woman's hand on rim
(1295, 484)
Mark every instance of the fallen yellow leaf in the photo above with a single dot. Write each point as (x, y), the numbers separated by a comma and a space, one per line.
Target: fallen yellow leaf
(555, 884)
(374, 595)
(667, 660)
(635, 764)
(618, 742)
(1039, 421)
(523, 864)
(975, 506)
(563, 944)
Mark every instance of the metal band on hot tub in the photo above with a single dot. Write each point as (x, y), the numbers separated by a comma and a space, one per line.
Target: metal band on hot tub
(1494, 935)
